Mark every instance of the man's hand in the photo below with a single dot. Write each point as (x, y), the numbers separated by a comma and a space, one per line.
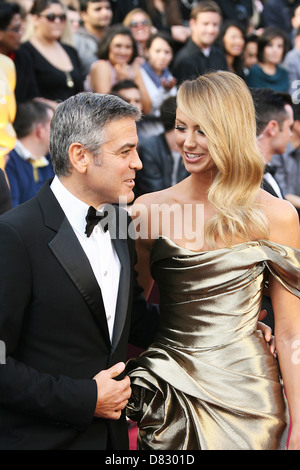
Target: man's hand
(113, 395)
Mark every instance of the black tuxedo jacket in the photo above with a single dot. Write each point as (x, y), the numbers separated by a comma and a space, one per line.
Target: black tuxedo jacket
(53, 323)
(5, 197)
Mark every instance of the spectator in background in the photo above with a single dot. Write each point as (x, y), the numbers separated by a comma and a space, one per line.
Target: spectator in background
(74, 19)
(200, 54)
(158, 79)
(250, 52)
(130, 92)
(268, 72)
(292, 65)
(56, 65)
(11, 29)
(29, 165)
(117, 53)
(162, 163)
(232, 40)
(295, 22)
(287, 164)
(141, 27)
(96, 17)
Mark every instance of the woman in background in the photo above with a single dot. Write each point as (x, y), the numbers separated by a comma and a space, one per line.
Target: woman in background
(268, 72)
(117, 54)
(232, 40)
(158, 79)
(56, 64)
(141, 27)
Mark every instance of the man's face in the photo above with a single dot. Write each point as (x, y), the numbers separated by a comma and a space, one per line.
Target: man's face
(296, 18)
(132, 96)
(205, 28)
(98, 14)
(45, 132)
(111, 176)
(10, 38)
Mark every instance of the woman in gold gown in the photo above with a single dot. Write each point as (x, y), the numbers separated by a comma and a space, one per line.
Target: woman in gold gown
(212, 243)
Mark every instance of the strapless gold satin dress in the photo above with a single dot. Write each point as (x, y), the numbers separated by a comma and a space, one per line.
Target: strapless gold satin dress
(209, 381)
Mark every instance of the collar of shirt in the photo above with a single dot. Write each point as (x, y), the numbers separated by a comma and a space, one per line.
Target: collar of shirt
(74, 209)
(24, 153)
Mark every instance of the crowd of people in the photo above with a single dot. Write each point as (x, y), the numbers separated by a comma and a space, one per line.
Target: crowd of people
(63, 47)
(198, 102)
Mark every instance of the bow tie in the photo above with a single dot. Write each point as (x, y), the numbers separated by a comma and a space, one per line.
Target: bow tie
(270, 169)
(93, 218)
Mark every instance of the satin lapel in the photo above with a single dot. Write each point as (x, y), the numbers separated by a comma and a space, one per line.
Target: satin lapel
(120, 245)
(71, 256)
(69, 253)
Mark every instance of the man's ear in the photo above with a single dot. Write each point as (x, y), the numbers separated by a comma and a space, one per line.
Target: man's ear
(78, 157)
(272, 128)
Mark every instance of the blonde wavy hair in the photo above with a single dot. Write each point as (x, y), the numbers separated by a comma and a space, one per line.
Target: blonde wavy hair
(222, 105)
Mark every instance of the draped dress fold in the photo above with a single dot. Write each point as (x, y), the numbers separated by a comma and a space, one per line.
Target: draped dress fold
(209, 381)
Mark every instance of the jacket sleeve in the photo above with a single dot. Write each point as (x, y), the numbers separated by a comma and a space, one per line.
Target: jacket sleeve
(60, 399)
(144, 315)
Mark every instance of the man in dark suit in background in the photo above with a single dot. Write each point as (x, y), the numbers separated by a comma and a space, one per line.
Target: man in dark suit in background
(5, 198)
(200, 54)
(68, 290)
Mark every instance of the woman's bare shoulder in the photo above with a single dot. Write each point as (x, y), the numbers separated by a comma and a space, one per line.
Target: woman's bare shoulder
(283, 219)
(165, 196)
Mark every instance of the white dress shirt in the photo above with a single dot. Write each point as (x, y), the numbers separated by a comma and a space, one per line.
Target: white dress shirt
(98, 249)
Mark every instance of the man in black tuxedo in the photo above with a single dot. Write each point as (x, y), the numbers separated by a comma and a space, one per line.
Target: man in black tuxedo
(68, 290)
(5, 197)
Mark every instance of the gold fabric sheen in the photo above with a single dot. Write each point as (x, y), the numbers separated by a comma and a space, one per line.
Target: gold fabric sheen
(209, 380)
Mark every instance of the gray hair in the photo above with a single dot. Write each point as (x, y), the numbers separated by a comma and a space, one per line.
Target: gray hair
(82, 118)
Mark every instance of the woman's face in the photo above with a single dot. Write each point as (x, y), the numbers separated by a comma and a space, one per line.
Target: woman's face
(140, 27)
(250, 54)
(234, 41)
(50, 23)
(192, 145)
(273, 52)
(160, 55)
(120, 49)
